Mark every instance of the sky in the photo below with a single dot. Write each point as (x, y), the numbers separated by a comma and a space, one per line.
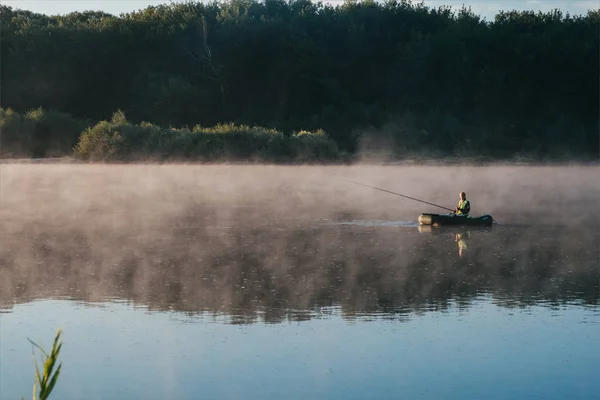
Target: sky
(485, 8)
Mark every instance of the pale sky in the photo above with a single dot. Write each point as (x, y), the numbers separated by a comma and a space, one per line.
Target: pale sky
(485, 8)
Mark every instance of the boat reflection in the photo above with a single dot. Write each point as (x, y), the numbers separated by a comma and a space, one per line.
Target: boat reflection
(461, 235)
(461, 239)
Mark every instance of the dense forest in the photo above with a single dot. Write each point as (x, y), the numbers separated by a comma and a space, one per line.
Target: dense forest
(396, 75)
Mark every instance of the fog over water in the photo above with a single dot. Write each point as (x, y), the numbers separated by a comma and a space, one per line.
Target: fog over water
(281, 241)
(254, 282)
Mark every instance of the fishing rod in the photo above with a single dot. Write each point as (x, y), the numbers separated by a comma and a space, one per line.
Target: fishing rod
(398, 194)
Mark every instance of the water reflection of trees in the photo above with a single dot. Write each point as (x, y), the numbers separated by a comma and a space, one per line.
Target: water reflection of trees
(253, 271)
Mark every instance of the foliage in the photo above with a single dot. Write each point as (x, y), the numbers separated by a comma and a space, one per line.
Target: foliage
(524, 82)
(119, 139)
(38, 133)
(46, 380)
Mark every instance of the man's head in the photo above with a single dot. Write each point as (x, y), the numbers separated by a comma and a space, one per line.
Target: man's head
(463, 195)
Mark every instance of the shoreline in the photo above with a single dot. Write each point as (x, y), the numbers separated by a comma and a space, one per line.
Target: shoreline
(450, 161)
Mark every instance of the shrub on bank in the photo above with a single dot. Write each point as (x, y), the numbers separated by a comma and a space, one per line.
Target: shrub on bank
(17, 134)
(120, 140)
(38, 133)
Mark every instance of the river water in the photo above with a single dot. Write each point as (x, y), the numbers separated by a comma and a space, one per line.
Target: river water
(231, 282)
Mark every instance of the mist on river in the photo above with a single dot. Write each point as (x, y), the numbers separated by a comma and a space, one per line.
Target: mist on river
(248, 239)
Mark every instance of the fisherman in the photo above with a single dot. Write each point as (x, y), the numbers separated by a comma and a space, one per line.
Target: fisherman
(464, 206)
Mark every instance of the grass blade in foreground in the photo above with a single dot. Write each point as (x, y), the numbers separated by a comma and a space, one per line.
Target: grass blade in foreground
(47, 380)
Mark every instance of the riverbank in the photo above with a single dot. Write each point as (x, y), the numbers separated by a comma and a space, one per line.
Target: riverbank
(51, 136)
(456, 161)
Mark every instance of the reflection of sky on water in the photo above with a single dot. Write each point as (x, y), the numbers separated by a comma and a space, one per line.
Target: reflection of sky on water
(117, 351)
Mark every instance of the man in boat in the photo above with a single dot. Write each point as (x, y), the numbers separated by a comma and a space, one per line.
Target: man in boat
(464, 206)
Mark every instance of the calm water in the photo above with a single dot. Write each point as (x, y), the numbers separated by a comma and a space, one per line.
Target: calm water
(361, 309)
(247, 300)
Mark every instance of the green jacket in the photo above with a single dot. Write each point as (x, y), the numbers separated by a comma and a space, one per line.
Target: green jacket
(464, 207)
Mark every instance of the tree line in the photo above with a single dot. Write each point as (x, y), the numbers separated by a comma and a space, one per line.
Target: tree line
(420, 80)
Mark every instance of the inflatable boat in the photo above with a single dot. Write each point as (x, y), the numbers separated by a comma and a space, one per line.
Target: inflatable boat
(453, 229)
(455, 219)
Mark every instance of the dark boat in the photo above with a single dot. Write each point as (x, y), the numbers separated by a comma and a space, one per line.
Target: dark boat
(455, 219)
(453, 229)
